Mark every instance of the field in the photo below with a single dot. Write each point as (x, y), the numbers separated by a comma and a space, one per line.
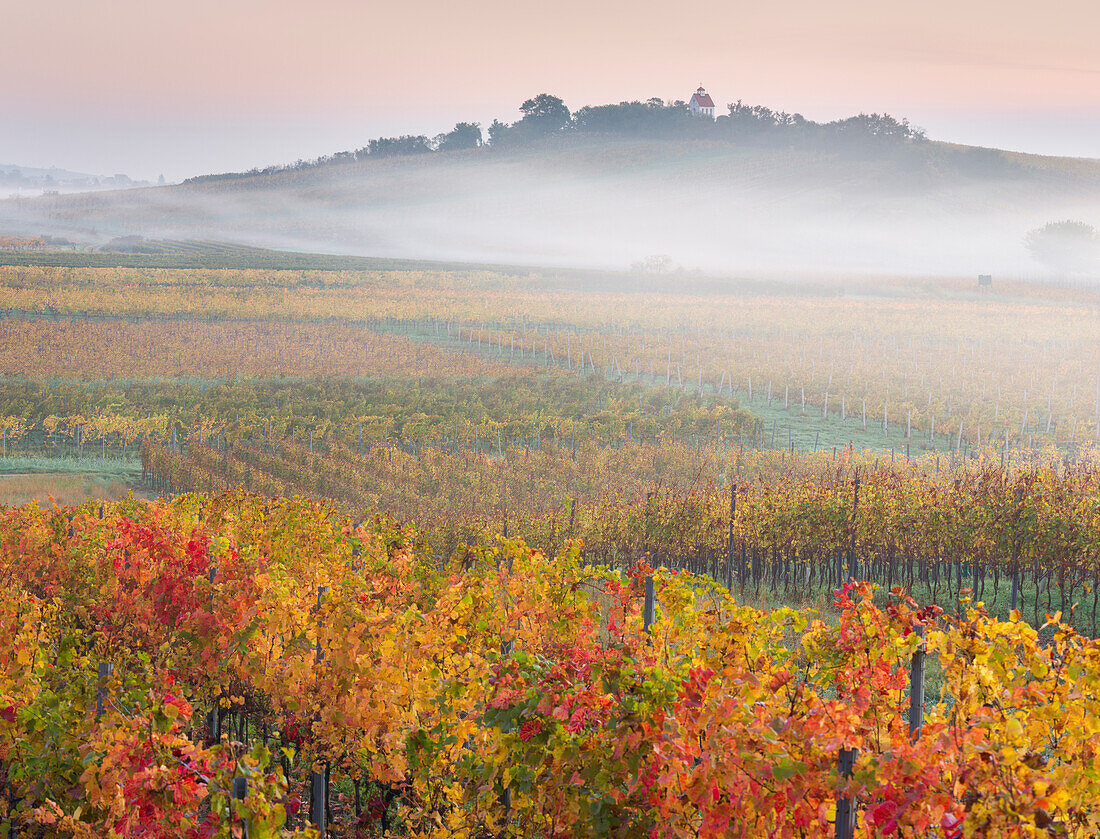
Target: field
(403, 525)
(64, 488)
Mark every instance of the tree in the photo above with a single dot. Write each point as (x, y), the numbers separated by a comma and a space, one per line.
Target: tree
(465, 135)
(498, 133)
(406, 144)
(877, 126)
(652, 118)
(1067, 247)
(658, 263)
(545, 113)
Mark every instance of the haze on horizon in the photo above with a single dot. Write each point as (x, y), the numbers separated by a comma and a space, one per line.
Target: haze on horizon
(161, 87)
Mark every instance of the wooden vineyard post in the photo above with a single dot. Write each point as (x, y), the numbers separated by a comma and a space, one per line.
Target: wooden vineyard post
(213, 723)
(852, 541)
(916, 687)
(240, 790)
(318, 781)
(845, 807)
(649, 608)
(318, 795)
(12, 818)
(104, 673)
(729, 544)
(1015, 576)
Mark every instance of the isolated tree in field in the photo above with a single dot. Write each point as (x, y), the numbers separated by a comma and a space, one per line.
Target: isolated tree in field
(1066, 247)
(545, 113)
(658, 263)
(465, 135)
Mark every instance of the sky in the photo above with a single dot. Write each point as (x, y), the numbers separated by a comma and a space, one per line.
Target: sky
(175, 87)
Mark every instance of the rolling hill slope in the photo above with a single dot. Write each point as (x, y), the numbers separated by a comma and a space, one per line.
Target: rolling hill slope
(914, 209)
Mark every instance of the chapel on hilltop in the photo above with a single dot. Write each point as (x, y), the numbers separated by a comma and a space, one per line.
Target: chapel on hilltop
(701, 104)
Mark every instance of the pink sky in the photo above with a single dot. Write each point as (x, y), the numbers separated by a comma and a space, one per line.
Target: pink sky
(150, 86)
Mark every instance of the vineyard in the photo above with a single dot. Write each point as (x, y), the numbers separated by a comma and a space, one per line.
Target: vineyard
(479, 553)
(888, 367)
(1023, 536)
(199, 666)
(502, 408)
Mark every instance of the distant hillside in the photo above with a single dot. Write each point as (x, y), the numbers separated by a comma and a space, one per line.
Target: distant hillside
(30, 180)
(53, 172)
(606, 201)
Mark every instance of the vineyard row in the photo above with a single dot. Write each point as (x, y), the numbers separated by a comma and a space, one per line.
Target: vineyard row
(500, 692)
(1016, 533)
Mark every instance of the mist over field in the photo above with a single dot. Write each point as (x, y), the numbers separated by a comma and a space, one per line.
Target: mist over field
(930, 209)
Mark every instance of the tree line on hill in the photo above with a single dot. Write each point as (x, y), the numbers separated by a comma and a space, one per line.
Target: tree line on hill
(546, 116)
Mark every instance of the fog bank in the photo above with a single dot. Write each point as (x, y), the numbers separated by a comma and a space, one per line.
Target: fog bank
(936, 210)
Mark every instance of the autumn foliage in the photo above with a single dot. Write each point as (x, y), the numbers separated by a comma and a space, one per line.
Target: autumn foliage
(326, 644)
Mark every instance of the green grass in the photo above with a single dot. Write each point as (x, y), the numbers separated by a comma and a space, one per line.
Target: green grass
(193, 255)
(784, 427)
(88, 465)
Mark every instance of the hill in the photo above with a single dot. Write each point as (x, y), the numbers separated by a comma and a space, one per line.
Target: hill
(603, 201)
